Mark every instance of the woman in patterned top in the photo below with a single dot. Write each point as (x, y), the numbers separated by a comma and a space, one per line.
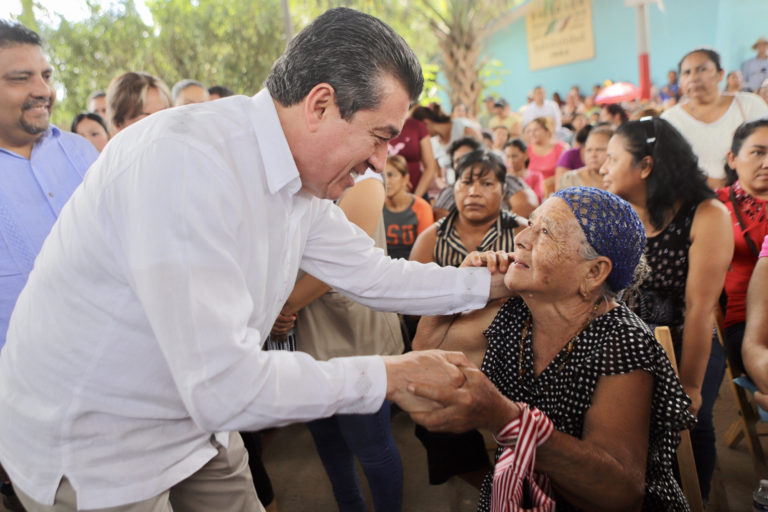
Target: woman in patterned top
(567, 348)
(477, 222)
(690, 245)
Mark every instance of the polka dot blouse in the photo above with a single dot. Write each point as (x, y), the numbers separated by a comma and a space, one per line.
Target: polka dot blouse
(660, 299)
(614, 343)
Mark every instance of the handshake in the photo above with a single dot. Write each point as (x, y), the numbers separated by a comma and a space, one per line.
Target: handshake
(444, 392)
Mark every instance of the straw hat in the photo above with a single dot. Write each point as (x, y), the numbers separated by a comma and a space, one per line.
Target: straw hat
(760, 40)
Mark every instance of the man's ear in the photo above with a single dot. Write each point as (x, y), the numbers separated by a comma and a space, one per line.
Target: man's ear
(319, 103)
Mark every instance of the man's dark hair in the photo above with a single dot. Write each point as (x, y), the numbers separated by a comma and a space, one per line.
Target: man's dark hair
(351, 51)
(676, 177)
(16, 33)
(222, 91)
(615, 109)
(469, 142)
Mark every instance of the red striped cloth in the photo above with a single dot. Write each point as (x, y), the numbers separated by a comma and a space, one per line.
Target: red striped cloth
(520, 437)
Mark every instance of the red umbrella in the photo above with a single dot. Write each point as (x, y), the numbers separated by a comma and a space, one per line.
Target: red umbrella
(618, 92)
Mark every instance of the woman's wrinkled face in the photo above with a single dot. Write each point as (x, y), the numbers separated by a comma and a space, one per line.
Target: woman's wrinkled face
(699, 76)
(547, 257)
(620, 174)
(751, 163)
(396, 182)
(478, 196)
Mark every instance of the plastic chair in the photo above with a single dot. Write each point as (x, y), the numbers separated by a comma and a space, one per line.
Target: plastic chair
(685, 461)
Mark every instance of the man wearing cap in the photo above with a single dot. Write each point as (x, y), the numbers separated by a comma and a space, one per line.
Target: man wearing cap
(755, 70)
(505, 118)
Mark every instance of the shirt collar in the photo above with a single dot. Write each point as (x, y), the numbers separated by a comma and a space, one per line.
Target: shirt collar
(51, 133)
(279, 165)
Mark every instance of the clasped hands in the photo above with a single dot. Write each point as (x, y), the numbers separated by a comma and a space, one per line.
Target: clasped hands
(445, 392)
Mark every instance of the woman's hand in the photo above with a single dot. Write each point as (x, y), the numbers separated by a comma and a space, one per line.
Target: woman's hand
(495, 261)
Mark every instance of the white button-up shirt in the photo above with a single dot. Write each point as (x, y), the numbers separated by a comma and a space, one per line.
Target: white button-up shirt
(139, 332)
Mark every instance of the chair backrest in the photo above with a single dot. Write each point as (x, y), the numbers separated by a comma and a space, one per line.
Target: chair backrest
(685, 461)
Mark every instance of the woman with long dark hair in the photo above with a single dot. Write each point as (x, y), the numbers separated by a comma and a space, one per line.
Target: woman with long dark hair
(689, 248)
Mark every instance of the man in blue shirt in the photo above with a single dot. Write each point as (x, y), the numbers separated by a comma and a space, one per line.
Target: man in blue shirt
(755, 70)
(41, 167)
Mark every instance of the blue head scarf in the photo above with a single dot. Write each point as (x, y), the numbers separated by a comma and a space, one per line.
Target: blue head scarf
(612, 228)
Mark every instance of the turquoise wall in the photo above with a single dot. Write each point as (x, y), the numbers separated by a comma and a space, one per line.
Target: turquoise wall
(730, 26)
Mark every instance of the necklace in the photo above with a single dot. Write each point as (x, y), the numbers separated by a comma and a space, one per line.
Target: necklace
(568, 347)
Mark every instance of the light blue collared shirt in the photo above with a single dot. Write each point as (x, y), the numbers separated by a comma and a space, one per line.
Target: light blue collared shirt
(32, 194)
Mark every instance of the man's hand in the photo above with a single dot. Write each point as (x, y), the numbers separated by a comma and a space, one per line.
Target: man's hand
(434, 368)
(283, 324)
(476, 404)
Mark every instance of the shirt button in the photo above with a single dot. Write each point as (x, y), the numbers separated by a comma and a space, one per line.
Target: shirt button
(50, 194)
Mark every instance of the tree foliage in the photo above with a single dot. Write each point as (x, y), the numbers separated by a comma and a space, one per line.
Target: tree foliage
(235, 42)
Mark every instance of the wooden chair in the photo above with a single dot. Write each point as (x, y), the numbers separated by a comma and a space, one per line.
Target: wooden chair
(748, 426)
(685, 461)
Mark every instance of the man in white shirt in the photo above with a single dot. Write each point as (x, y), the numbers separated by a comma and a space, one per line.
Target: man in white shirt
(542, 107)
(135, 347)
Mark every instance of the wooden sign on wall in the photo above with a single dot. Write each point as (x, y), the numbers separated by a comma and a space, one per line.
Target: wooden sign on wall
(559, 32)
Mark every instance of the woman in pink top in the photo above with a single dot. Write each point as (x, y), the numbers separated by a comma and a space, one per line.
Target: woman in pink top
(543, 153)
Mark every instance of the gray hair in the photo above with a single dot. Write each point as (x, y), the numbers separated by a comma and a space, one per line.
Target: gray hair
(642, 270)
(349, 50)
(183, 84)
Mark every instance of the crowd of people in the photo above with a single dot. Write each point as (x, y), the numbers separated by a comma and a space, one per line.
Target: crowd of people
(203, 226)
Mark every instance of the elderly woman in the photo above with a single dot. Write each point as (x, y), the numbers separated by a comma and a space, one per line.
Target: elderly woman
(565, 347)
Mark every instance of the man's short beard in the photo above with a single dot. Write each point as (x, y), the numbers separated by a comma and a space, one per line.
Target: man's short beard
(33, 129)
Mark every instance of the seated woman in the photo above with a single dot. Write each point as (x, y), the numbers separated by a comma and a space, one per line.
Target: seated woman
(690, 246)
(406, 215)
(477, 222)
(566, 347)
(594, 156)
(746, 199)
(543, 153)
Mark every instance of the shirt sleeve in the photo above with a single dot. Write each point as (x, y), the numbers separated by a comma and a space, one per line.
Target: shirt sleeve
(423, 213)
(177, 227)
(764, 251)
(342, 255)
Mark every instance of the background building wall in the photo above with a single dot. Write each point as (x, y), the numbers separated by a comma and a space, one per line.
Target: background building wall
(730, 26)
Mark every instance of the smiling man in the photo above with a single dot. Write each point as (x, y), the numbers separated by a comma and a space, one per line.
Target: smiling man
(40, 166)
(135, 348)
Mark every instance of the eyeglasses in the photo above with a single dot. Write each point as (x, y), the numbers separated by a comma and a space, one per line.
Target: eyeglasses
(650, 133)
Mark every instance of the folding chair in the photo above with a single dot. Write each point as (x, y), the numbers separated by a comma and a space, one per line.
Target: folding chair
(746, 426)
(685, 461)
